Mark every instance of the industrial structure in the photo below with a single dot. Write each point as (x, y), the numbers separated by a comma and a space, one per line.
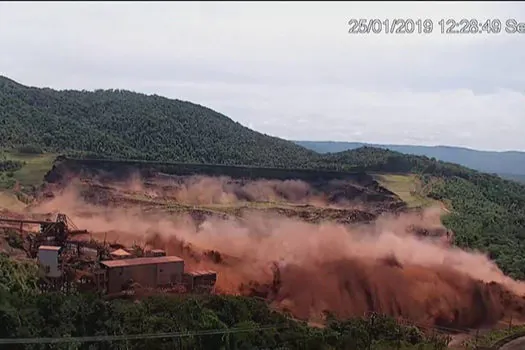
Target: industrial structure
(49, 259)
(109, 269)
(51, 232)
(151, 271)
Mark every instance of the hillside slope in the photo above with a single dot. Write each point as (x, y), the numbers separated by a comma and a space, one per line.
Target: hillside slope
(123, 124)
(507, 164)
(488, 212)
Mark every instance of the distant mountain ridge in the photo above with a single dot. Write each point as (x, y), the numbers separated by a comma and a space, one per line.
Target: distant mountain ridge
(509, 164)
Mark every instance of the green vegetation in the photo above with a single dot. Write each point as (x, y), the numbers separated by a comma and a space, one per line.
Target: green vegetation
(21, 173)
(488, 339)
(322, 171)
(16, 278)
(408, 187)
(9, 165)
(56, 315)
(33, 166)
(487, 212)
(14, 239)
(124, 124)
(7, 169)
(508, 164)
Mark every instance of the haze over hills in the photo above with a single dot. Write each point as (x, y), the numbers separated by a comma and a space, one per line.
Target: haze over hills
(509, 164)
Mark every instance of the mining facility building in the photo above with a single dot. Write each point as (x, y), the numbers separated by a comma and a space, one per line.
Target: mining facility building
(67, 259)
(150, 271)
(49, 258)
(124, 271)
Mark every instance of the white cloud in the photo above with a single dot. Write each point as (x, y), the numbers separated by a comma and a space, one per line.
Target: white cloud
(287, 69)
(494, 120)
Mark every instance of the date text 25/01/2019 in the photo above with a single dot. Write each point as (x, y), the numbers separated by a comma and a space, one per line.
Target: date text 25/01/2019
(427, 26)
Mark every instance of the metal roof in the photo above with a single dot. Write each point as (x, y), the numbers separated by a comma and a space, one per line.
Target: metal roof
(120, 252)
(49, 247)
(201, 272)
(141, 261)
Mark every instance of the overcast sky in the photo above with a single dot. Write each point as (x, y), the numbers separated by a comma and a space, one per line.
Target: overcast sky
(288, 69)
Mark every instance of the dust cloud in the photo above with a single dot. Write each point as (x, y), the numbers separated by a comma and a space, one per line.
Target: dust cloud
(205, 190)
(308, 269)
(219, 190)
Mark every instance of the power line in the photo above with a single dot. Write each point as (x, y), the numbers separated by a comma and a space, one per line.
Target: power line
(109, 338)
(102, 338)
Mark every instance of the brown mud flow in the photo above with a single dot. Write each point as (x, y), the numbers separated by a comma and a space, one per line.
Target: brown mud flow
(378, 265)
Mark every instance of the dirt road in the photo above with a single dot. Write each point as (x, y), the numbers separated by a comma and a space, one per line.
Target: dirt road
(516, 344)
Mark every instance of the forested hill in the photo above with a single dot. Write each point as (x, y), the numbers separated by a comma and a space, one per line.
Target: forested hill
(509, 164)
(488, 212)
(124, 124)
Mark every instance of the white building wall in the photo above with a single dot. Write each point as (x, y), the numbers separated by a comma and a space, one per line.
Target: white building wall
(48, 259)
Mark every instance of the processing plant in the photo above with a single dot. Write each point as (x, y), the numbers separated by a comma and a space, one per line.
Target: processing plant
(111, 270)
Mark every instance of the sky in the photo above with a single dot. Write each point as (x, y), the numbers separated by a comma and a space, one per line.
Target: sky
(288, 69)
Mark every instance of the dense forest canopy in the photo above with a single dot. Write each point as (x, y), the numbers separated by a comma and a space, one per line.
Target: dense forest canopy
(124, 124)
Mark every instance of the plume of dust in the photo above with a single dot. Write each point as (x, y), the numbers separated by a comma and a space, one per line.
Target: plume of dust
(224, 190)
(325, 266)
(205, 190)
